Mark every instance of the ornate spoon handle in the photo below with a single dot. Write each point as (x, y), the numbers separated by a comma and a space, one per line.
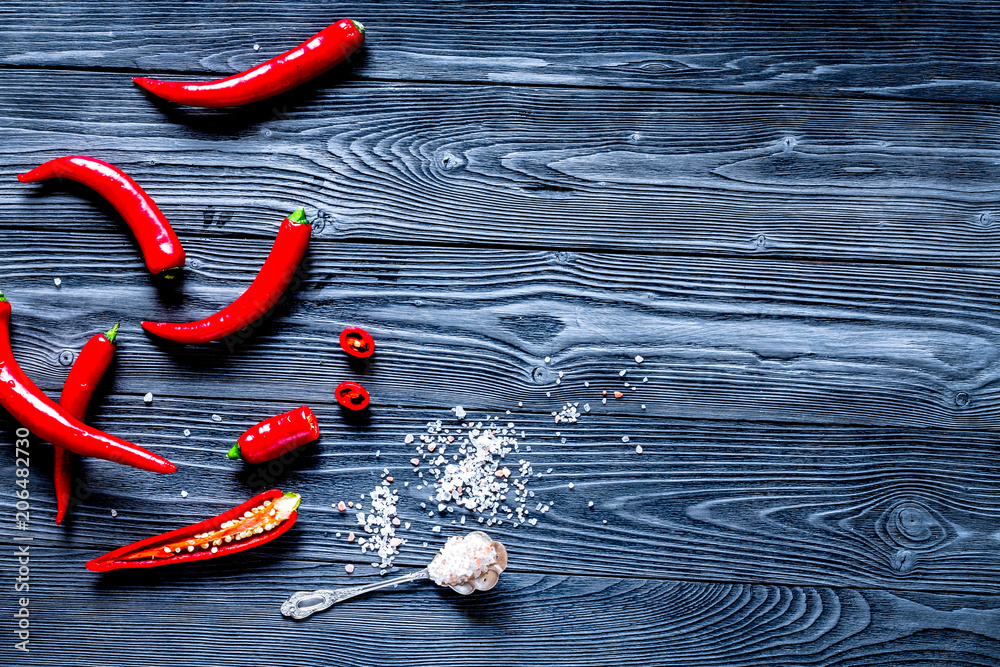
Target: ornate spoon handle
(306, 603)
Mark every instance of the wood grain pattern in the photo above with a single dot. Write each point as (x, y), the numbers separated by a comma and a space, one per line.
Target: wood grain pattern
(709, 501)
(648, 172)
(527, 620)
(939, 50)
(752, 339)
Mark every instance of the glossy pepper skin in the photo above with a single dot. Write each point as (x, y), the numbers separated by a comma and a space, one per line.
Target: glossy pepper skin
(274, 277)
(28, 405)
(352, 396)
(185, 544)
(159, 244)
(87, 371)
(321, 52)
(357, 342)
(273, 437)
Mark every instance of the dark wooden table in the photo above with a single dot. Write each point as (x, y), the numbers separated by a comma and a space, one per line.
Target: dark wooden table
(791, 212)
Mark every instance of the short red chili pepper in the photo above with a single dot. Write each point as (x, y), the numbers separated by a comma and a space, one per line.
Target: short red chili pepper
(159, 244)
(321, 52)
(273, 437)
(352, 395)
(28, 405)
(272, 280)
(356, 342)
(87, 371)
(259, 520)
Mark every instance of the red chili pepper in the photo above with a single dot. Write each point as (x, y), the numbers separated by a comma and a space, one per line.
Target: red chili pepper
(259, 520)
(352, 395)
(273, 437)
(28, 405)
(272, 280)
(357, 342)
(160, 247)
(87, 371)
(321, 52)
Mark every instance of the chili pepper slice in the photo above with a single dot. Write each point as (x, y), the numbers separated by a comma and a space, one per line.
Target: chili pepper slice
(259, 520)
(321, 52)
(28, 405)
(272, 280)
(357, 342)
(273, 437)
(87, 371)
(352, 395)
(159, 244)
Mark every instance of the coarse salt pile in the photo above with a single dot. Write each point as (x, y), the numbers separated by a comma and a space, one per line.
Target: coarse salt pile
(379, 525)
(462, 559)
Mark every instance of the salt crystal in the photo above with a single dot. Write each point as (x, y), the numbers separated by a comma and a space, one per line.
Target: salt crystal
(643, 406)
(624, 438)
(187, 433)
(435, 529)
(586, 407)
(586, 384)
(547, 360)
(408, 439)
(349, 568)
(638, 449)
(590, 503)
(571, 485)
(114, 512)
(148, 398)
(645, 379)
(184, 494)
(621, 373)
(459, 411)
(57, 281)
(638, 359)
(216, 418)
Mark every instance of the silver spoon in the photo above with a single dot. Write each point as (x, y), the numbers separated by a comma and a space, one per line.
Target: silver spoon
(306, 603)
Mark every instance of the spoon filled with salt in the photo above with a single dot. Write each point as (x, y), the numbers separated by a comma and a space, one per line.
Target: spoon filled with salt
(465, 564)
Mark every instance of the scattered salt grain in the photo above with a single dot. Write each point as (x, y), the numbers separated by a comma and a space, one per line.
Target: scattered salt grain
(216, 418)
(618, 394)
(590, 503)
(645, 379)
(571, 485)
(184, 494)
(349, 568)
(624, 438)
(638, 359)
(187, 433)
(586, 384)
(547, 359)
(342, 506)
(459, 412)
(350, 537)
(621, 373)
(408, 439)
(435, 529)
(586, 407)
(148, 399)
(57, 281)
(638, 449)
(643, 406)
(114, 512)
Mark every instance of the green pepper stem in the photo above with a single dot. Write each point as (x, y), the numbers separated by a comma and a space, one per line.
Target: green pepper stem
(234, 453)
(298, 217)
(357, 24)
(298, 498)
(112, 333)
(2, 297)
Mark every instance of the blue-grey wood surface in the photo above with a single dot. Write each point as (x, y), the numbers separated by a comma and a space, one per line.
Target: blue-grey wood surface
(790, 210)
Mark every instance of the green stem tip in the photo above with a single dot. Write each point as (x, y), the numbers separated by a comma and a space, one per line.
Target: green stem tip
(234, 453)
(298, 498)
(358, 25)
(112, 333)
(298, 217)
(3, 298)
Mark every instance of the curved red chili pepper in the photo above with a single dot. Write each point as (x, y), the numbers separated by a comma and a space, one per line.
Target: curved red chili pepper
(28, 405)
(273, 437)
(87, 371)
(272, 280)
(228, 533)
(321, 52)
(357, 342)
(160, 247)
(352, 395)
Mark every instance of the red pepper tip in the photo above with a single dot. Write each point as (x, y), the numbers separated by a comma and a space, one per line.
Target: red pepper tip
(234, 453)
(298, 216)
(23, 178)
(112, 333)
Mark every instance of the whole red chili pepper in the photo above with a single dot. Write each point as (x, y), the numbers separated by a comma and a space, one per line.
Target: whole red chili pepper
(160, 247)
(41, 416)
(87, 371)
(259, 520)
(352, 395)
(357, 342)
(272, 280)
(321, 52)
(273, 437)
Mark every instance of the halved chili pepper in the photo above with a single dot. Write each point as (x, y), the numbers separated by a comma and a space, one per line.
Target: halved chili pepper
(160, 246)
(28, 405)
(87, 371)
(272, 280)
(352, 395)
(321, 52)
(356, 342)
(259, 520)
(273, 437)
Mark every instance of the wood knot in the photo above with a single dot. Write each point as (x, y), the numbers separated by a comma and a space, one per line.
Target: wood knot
(911, 525)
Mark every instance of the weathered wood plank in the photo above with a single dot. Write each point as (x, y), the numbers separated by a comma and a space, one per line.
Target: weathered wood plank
(500, 166)
(940, 50)
(707, 501)
(743, 338)
(214, 610)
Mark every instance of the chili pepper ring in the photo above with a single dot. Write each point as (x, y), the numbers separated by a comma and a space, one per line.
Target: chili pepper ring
(159, 244)
(274, 277)
(318, 54)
